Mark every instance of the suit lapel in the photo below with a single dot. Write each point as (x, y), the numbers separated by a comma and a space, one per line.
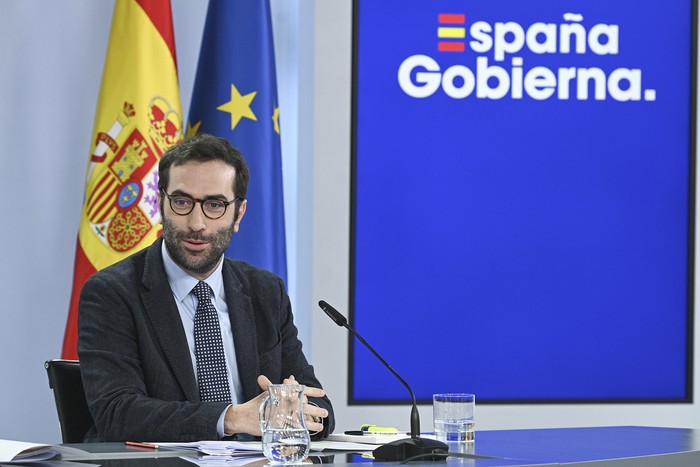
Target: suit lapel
(162, 311)
(240, 309)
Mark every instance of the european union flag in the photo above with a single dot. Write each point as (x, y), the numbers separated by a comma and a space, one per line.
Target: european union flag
(235, 97)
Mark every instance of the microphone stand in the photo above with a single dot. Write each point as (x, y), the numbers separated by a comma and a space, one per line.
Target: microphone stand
(401, 449)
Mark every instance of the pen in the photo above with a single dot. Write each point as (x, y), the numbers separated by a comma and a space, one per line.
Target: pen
(370, 433)
(142, 445)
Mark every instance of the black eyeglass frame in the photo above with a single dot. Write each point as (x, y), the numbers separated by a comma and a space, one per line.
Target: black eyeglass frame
(201, 204)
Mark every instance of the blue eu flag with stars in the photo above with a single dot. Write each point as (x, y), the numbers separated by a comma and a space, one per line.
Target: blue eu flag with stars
(235, 97)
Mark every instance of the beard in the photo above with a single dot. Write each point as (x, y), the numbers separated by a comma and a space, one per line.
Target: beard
(196, 262)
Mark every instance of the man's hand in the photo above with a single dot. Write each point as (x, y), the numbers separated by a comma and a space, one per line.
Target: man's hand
(245, 418)
(313, 414)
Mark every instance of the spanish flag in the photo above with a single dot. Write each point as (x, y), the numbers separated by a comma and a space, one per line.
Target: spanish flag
(139, 116)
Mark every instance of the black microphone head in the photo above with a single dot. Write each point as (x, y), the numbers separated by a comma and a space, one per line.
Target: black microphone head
(333, 313)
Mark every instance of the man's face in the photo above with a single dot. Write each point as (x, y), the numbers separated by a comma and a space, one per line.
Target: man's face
(195, 242)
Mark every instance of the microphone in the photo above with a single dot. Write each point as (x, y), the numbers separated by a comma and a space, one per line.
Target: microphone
(401, 449)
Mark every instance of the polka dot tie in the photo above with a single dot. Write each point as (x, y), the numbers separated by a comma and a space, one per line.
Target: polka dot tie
(212, 374)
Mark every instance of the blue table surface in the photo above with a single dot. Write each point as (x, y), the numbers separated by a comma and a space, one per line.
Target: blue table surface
(585, 444)
(505, 447)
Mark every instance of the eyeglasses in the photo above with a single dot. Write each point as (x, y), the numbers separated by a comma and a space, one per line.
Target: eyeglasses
(211, 207)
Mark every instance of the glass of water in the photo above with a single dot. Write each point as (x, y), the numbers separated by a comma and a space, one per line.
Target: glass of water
(453, 417)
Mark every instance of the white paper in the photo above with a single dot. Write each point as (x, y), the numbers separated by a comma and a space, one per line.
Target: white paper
(216, 448)
(369, 438)
(217, 461)
(20, 451)
(329, 445)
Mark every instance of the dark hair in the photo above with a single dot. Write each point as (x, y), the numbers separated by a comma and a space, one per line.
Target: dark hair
(204, 148)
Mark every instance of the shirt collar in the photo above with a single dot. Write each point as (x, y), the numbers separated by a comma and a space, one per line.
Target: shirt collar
(182, 283)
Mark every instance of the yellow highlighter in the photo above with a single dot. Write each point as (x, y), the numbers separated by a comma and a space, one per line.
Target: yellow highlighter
(379, 430)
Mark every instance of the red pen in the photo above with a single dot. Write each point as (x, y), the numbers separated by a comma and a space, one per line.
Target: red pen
(142, 445)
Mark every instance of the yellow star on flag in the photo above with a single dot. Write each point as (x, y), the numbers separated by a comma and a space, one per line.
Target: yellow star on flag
(238, 106)
(193, 130)
(276, 119)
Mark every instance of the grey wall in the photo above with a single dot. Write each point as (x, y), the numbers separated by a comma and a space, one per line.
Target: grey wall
(50, 71)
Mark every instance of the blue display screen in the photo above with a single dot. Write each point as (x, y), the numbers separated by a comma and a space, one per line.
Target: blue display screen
(522, 199)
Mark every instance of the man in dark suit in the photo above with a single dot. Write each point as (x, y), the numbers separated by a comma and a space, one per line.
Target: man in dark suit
(145, 374)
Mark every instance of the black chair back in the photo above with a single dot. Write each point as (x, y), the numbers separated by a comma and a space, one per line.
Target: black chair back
(73, 412)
